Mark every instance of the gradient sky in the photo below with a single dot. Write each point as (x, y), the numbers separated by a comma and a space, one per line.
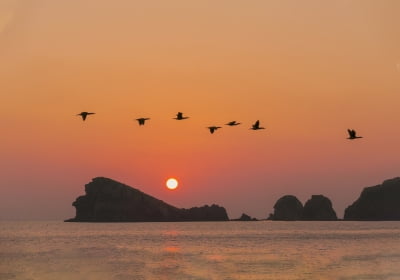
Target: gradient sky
(308, 70)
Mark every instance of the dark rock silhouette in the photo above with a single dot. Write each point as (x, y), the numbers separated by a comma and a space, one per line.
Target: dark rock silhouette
(245, 217)
(287, 208)
(377, 203)
(107, 200)
(318, 208)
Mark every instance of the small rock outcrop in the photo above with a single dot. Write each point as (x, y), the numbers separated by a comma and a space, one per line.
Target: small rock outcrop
(318, 208)
(287, 208)
(107, 200)
(245, 218)
(377, 203)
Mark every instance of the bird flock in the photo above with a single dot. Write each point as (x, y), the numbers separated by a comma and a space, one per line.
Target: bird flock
(212, 129)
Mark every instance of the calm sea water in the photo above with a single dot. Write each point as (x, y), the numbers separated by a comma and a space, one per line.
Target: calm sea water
(202, 250)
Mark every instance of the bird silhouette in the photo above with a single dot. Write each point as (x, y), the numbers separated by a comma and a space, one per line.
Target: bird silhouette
(256, 126)
(84, 115)
(142, 120)
(180, 116)
(213, 128)
(352, 134)
(232, 123)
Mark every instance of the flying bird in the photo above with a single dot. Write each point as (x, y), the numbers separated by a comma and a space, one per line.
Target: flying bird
(256, 126)
(232, 123)
(142, 120)
(352, 134)
(180, 116)
(84, 115)
(213, 128)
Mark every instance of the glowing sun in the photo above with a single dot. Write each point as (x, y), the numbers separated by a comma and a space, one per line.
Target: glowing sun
(172, 183)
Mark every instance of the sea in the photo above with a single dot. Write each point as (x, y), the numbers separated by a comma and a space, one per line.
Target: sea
(261, 250)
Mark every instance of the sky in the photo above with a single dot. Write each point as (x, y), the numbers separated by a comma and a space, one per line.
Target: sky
(308, 70)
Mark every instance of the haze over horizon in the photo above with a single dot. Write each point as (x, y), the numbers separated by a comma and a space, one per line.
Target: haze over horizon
(307, 70)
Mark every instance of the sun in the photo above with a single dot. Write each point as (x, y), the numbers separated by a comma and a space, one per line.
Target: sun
(172, 183)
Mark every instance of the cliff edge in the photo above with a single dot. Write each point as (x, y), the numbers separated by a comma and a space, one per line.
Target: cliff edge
(377, 203)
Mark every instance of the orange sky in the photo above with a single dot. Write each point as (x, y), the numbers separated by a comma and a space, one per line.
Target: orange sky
(307, 69)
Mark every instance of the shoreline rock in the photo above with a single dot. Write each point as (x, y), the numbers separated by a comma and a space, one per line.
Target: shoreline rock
(377, 203)
(107, 200)
(289, 208)
(318, 208)
(245, 218)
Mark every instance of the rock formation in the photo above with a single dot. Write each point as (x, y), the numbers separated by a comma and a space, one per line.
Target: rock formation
(377, 203)
(318, 208)
(287, 208)
(109, 201)
(245, 217)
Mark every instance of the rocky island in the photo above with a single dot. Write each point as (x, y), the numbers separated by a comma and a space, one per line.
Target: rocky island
(377, 203)
(318, 208)
(289, 208)
(245, 218)
(107, 200)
